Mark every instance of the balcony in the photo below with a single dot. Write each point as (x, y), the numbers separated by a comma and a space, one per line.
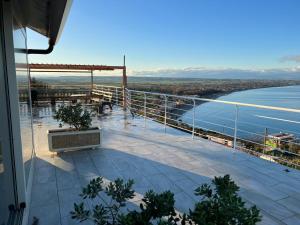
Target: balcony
(157, 157)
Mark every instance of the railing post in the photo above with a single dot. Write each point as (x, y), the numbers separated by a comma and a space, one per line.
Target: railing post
(235, 126)
(117, 97)
(124, 84)
(265, 140)
(166, 106)
(124, 99)
(145, 108)
(129, 100)
(194, 106)
(92, 82)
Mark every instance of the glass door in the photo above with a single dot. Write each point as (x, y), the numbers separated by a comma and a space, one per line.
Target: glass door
(8, 187)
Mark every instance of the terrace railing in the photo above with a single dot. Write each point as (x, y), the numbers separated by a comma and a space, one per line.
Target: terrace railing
(269, 132)
(265, 131)
(112, 93)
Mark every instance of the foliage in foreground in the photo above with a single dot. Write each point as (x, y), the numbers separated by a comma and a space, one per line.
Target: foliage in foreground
(222, 205)
(219, 204)
(73, 115)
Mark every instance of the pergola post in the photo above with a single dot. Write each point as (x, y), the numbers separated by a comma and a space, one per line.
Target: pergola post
(124, 85)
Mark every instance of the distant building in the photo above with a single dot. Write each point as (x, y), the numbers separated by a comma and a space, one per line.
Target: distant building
(267, 157)
(278, 141)
(220, 140)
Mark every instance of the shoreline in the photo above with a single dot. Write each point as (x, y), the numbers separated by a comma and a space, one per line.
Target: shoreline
(181, 109)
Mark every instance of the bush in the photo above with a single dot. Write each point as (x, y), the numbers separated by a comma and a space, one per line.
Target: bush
(218, 206)
(222, 205)
(155, 206)
(74, 116)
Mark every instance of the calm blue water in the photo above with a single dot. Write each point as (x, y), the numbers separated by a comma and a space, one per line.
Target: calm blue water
(251, 121)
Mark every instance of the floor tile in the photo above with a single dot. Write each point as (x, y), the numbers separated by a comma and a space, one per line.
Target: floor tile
(159, 161)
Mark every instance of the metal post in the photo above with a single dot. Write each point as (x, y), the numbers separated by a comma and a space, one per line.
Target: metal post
(194, 106)
(92, 81)
(145, 108)
(124, 84)
(235, 126)
(166, 105)
(129, 101)
(265, 140)
(117, 98)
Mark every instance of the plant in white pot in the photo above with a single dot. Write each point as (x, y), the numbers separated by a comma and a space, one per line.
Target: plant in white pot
(79, 135)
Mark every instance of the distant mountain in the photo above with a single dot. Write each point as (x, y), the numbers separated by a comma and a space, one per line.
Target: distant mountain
(192, 73)
(277, 74)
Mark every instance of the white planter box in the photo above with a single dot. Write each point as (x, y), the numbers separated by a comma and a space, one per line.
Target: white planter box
(67, 139)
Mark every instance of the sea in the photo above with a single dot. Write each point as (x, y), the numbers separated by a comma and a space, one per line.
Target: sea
(251, 122)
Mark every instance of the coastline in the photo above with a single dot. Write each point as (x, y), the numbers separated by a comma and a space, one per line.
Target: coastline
(181, 109)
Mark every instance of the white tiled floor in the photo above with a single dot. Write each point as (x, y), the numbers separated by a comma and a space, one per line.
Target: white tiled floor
(159, 161)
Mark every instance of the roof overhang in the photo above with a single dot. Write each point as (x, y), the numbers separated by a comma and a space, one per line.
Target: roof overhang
(46, 17)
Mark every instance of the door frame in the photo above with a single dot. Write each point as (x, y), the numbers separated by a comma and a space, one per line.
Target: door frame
(10, 130)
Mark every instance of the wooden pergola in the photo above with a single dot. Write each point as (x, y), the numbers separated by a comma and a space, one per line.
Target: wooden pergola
(79, 68)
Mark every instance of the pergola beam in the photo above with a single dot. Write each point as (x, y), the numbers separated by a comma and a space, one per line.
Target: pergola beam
(79, 68)
(39, 66)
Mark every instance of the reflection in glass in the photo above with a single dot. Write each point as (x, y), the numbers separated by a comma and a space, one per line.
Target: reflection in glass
(25, 109)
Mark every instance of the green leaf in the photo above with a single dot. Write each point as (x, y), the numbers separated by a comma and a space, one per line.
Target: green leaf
(93, 188)
(80, 213)
(120, 191)
(100, 215)
(74, 116)
(222, 205)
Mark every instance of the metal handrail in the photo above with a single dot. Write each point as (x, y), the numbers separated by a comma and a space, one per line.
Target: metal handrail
(158, 107)
(106, 86)
(221, 101)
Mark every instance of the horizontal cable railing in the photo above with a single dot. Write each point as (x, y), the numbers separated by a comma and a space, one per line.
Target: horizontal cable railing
(231, 129)
(101, 92)
(265, 131)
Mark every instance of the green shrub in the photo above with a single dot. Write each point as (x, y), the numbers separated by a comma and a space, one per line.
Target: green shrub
(155, 207)
(108, 212)
(222, 205)
(218, 206)
(74, 115)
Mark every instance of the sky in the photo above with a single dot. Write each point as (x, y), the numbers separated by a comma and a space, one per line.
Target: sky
(175, 36)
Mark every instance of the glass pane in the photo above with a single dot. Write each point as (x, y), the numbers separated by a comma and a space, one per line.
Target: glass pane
(22, 72)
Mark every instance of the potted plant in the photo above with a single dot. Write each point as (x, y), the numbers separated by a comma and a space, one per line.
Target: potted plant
(79, 135)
